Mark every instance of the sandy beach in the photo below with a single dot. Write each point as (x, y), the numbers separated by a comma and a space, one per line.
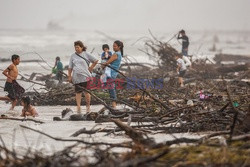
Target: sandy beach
(20, 139)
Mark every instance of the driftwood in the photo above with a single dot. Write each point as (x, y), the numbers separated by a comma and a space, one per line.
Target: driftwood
(137, 137)
(227, 57)
(235, 68)
(26, 61)
(22, 119)
(84, 131)
(205, 104)
(75, 140)
(144, 160)
(102, 119)
(244, 127)
(235, 115)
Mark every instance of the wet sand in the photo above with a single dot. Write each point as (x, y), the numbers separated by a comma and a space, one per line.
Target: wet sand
(15, 137)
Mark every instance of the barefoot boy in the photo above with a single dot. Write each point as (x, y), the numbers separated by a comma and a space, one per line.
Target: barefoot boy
(14, 90)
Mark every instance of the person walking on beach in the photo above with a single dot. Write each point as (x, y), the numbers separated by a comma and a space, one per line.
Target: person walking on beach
(79, 66)
(59, 69)
(114, 62)
(185, 44)
(15, 91)
(181, 69)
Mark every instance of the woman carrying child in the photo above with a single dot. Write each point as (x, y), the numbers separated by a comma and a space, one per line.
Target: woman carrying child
(114, 62)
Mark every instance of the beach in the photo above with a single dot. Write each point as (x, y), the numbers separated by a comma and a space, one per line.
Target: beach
(20, 139)
(51, 44)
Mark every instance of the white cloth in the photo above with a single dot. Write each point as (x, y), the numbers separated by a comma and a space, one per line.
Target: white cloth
(182, 64)
(106, 74)
(186, 60)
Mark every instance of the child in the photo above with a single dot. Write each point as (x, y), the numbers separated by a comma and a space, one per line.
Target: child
(181, 69)
(105, 57)
(106, 54)
(28, 109)
(59, 69)
(14, 90)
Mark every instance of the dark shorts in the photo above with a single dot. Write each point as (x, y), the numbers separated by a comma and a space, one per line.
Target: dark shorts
(79, 88)
(182, 73)
(59, 76)
(15, 91)
(184, 52)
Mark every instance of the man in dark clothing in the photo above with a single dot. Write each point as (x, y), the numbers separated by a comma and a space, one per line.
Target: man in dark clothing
(185, 43)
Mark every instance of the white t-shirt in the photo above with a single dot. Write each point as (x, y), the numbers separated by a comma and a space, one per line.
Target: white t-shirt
(182, 64)
(80, 67)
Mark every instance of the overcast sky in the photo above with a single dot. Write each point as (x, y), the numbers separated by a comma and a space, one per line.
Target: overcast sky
(129, 15)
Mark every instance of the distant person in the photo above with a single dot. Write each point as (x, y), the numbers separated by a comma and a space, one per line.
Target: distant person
(115, 63)
(79, 65)
(105, 56)
(28, 109)
(185, 44)
(181, 69)
(58, 67)
(15, 91)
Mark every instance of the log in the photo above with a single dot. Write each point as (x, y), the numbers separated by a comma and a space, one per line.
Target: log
(136, 136)
(102, 119)
(236, 68)
(21, 119)
(84, 131)
(76, 140)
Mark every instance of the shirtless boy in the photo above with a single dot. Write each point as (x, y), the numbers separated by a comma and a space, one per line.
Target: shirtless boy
(14, 90)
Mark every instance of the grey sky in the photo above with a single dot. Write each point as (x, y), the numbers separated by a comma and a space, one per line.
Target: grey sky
(129, 15)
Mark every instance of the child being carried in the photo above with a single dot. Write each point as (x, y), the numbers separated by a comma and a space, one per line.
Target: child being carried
(106, 72)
